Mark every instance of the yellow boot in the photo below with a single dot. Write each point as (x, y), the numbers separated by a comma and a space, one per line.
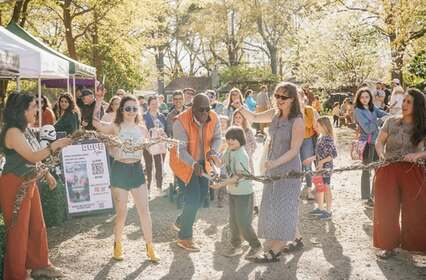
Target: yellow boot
(118, 251)
(151, 254)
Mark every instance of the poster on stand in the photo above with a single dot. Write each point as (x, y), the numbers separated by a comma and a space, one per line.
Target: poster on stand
(86, 175)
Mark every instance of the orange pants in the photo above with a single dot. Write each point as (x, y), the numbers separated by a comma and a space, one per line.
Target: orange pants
(26, 241)
(400, 188)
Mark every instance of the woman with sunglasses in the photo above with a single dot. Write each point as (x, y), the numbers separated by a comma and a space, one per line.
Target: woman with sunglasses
(127, 172)
(278, 213)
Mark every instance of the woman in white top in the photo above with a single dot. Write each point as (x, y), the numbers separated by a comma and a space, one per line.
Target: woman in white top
(127, 172)
(396, 99)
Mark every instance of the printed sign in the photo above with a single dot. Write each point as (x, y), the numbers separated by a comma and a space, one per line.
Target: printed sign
(86, 176)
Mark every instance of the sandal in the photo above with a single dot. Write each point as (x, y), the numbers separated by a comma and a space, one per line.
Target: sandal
(268, 257)
(292, 247)
(49, 272)
(386, 254)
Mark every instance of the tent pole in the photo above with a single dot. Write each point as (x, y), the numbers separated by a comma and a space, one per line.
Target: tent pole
(73, 87)
(39, 103)
(18, 84)
(68, 84)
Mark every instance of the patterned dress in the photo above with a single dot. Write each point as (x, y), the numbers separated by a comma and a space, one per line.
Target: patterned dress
(278, 215)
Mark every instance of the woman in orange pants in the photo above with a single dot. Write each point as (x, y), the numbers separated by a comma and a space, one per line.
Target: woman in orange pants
(401, 187)
(26, 238)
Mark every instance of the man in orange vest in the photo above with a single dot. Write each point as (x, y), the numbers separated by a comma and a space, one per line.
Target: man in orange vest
(198, 130)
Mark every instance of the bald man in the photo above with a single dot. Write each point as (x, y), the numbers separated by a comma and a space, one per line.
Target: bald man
(198, 130)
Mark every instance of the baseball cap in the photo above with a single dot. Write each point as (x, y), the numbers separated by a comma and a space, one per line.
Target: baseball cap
(86, 92)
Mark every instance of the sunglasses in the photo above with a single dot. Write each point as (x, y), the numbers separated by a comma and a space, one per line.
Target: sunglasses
(282, 97)
(129, 109)
(202, 110)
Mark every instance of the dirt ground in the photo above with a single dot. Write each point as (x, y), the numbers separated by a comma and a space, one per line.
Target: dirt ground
(336, 249)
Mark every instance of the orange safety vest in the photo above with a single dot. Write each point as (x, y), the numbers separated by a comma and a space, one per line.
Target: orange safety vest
(180, 168)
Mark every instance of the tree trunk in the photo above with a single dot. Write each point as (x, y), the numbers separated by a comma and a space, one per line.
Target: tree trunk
(24, 13)
(16, 15)
(69, 38)
(159, 60)
(397, 55)
(97, 62)
(273, 52)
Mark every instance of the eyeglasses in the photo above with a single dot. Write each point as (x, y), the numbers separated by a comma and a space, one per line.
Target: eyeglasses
(282, 97)
(129, 109)
(177, 98)
(202, 110)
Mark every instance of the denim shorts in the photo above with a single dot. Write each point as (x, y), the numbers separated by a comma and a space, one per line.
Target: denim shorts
(307, 149)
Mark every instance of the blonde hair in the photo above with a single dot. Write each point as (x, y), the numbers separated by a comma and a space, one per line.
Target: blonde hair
(326, 125)
(240, 96)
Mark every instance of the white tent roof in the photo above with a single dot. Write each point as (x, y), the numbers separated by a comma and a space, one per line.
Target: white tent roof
(34, 62)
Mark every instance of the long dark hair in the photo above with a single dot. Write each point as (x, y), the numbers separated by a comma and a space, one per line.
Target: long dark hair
(71, 108)
(419, 116)
(115, 97)
(358, 103)
(291, 90)
(119, 116)
(46, 103)
(14, 113)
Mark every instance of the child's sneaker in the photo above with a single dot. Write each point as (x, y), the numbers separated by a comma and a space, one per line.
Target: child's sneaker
(234, 251)
(325, 216)
(316, 212)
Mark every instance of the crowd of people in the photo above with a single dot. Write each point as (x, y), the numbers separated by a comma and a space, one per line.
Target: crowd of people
(220, 139)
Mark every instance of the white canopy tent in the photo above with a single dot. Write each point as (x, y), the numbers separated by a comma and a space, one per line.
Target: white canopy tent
(35, 63)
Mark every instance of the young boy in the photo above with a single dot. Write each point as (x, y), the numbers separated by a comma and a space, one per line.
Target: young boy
(241, 194)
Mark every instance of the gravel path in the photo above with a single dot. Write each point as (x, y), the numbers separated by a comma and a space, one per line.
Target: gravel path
(336, 249)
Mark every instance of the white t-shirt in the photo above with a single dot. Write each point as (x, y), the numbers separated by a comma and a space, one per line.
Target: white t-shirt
(397, 109)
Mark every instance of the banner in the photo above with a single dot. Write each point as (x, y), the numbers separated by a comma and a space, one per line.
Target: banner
(86, 174)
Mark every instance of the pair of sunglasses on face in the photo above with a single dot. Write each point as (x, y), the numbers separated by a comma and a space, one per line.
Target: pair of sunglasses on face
(129, 109)
(282, 97)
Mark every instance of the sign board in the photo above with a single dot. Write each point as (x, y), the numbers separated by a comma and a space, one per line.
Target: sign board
(86, 175)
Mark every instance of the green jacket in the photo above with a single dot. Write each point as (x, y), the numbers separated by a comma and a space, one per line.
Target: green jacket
(69, 122)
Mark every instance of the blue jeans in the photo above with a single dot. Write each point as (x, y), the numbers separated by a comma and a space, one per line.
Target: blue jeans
(195, 194)
(307, 151)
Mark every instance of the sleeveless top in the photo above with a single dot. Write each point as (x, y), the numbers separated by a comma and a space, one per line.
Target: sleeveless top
(280, 132)
(15, 163)
(135, 135)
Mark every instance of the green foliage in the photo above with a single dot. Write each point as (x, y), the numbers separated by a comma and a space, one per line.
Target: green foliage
(242, 73)
(417, 67)
(54, 203)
